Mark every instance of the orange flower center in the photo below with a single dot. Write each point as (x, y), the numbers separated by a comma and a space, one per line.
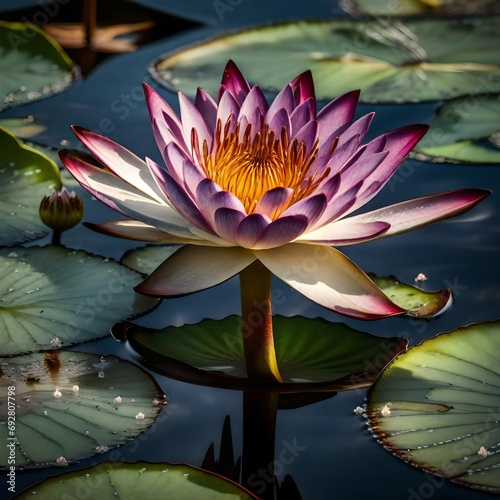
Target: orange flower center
(248, 167)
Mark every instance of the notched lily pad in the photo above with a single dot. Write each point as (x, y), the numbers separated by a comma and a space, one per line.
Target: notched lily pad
(32, 65)
(26, 176)
(146, 259)
(419, 303)
(464, 131)
(312, 354)
(398, 61)
(52, 295)
(111, 480)
(437, 406)
(70, 405)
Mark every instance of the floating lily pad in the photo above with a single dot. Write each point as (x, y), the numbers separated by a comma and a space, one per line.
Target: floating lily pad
(23, 128)
(26, 128)
(26, 176)
(417, 302)
(146, 259)
(441, 405)
(72, 405)
(419, 7)
(465, 130)
(312, 354)
(53, 294)
(111, 480)
(421, 60)
(32, 65)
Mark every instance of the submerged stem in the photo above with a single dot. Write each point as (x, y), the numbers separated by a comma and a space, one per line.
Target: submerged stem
(256, 314)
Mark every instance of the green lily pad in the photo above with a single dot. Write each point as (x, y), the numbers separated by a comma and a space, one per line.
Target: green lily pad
(419, 7)
(441, 405)
(32, 65)
(72, 405)
(312, 354)
(464, 131)
(52, 295)
(146, 259)
(111, 480)
(417, 302)
(26, 128)
(23, 128)
(421, 60)
(389, 7)
(26, 176)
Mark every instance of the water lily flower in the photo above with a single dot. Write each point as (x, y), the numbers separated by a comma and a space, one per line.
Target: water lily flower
(257, 189)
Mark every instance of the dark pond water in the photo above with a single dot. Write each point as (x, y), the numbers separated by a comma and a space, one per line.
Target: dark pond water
(337, 457)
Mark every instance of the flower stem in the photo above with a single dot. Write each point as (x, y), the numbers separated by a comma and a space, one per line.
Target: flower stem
(256, 314)
(56, 237)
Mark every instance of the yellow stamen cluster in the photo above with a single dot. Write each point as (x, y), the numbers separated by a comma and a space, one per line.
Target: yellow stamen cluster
(249, 166)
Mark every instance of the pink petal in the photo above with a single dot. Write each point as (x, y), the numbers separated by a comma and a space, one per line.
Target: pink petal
(250, 228)
(210, 197)
(227, 107)
(284, 100)
(234, 82)
(226, 221)
(307, 135)
(178, 197)
(349, 137)
(161, 111)
(193, 268)
(399, 144)
(207, 108)
(338, 205)
(174, 158)
(359, 127)
(345, 232)
(225, 199)
(311, 207)
(303, 86)
(279, 121)
(255, 121)
(191, 177)
(122, 197)
(136, 230)
(359, 170)
(329, 187)
(336, 114)
(80, 170)
(302, 114)
(164, 137)
(254, 103)
(423, 211)
(204, 193)
(273, 201)
(329, 278)
(281, 231)
(120, 161)
(192, 119)
(340, 156)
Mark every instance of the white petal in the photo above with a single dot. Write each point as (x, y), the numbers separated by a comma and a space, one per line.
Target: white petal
(120, 160)
(420, 212)
(194, 268)
(136, 230)
(124, 197)
(329, 278)
(345, 232)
